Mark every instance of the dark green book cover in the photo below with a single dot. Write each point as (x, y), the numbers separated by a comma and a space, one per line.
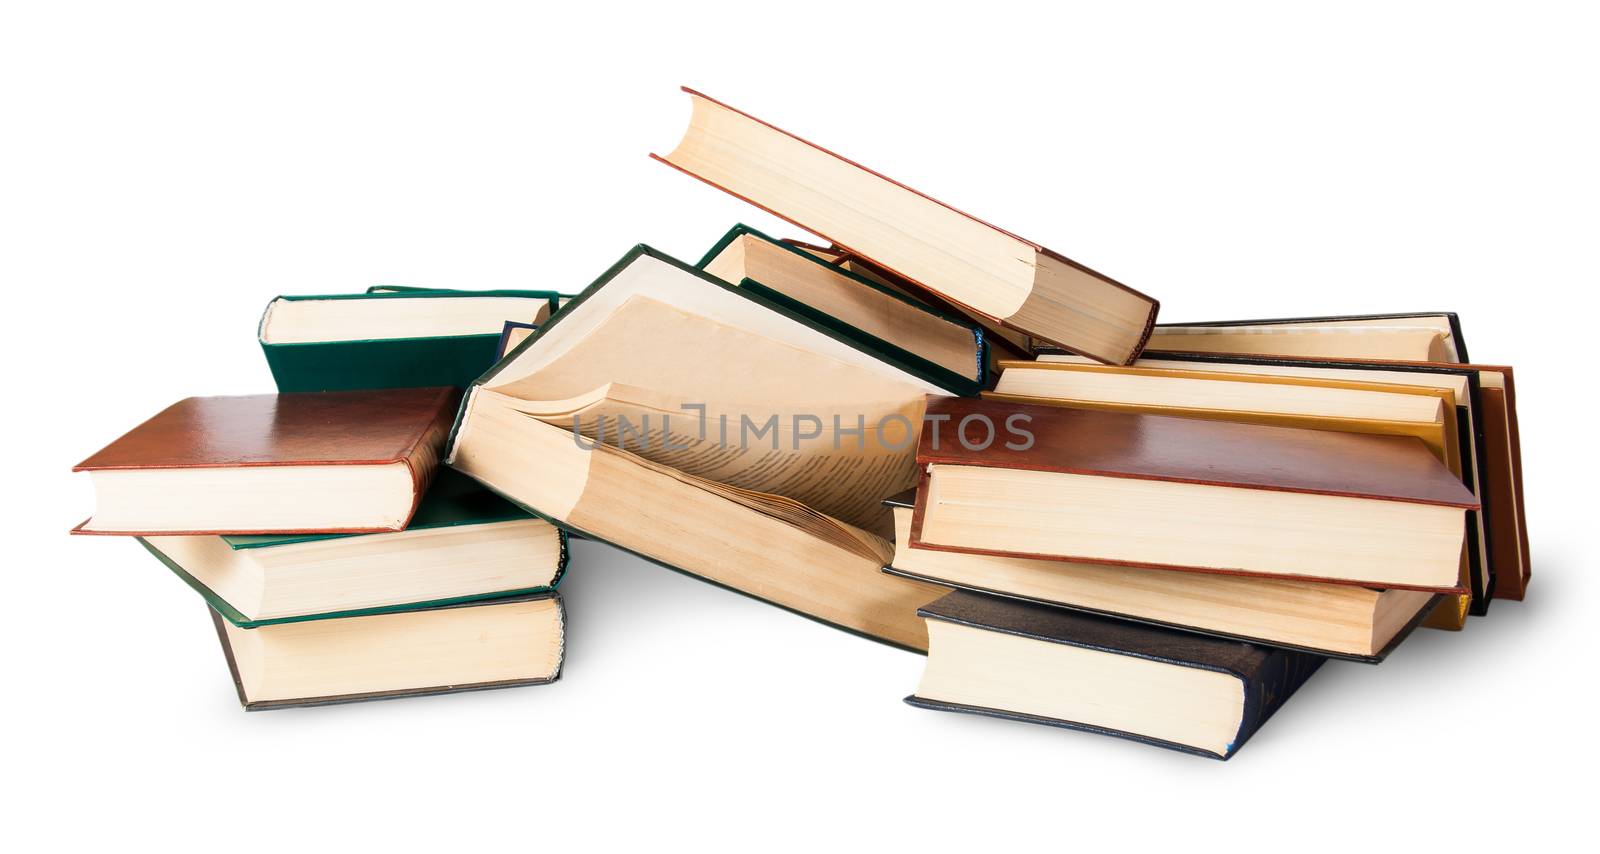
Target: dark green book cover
(446, 360)
(453, 499)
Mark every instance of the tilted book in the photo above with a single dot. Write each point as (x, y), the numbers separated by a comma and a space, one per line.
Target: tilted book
(1336, 620)
(942, 347)
(463, 544)
(1026, 662)
(993, 273)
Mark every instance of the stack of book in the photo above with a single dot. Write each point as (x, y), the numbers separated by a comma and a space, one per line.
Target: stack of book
(930, 432)
(339, 560)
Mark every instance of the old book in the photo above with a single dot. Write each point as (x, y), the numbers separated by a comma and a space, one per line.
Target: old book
(464, 543)
(1190, 494)
(512, 336)
(779, 511)
(993, 273)
(390, 337)
(1503, 483)
(1027, 662)
(1346, 405)
(949, 350)
(330, 462)
(1465, 383)
(1417, 336)
(1339, 620)
(1007, 342)
(495, 643)
(1487, 397)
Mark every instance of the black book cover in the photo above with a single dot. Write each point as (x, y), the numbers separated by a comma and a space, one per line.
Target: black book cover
(1270, 676)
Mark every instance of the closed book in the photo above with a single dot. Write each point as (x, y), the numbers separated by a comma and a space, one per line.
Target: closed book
(1486, 399)
(471, 646)
(1428, 336)
(1335, 620)
(1430, 412)
(993, 273)
(464, 543)
(329, 462)
(1188, 494)
(391, 337)
(943, 348)
(1027, 662)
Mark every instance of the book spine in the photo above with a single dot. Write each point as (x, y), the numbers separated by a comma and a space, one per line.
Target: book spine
(384, 363)
(1269, 687)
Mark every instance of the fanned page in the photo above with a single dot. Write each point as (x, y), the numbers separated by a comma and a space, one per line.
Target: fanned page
(728, 390)
(838, 472)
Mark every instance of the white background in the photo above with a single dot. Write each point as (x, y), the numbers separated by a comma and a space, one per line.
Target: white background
(168, 169)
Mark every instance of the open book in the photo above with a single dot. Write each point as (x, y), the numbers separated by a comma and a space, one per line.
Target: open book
(745, 444)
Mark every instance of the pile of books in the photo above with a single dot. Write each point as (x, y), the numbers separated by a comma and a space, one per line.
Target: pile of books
(930, 432)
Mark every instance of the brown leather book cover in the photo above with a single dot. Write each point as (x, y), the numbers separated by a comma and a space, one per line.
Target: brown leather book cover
(1504, 507)
(1188, 450)
(380, 427)
(1180, 450)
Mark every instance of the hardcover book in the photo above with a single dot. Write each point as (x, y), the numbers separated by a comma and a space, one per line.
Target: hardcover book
(1486, 399)
(782, 514)
(1414, 336)
(993, 273)
(1003, 341)
(390, 337)
(512, 335)
(1335, 620)
(1183, 493)
(1026, 662)
(1458, 381)
(1429, 413)
(464, 543)
(496, 643)
(943, 348)
(332, 462)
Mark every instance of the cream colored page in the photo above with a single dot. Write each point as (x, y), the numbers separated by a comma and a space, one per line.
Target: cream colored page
(655, 279)
(874, 312)
(842, 473)
(1337, 342)
(724, 404)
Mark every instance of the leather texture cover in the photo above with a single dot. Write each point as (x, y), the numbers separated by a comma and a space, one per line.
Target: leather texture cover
(446, 360)
(238, 684)
(302, 429)
(849, 244)
(1270, 676)
(1485, 574)
(378, 427)
(967, 385)
(1186, 450)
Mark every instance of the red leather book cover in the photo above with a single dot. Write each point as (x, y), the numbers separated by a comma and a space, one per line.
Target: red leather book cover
(379, 427)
